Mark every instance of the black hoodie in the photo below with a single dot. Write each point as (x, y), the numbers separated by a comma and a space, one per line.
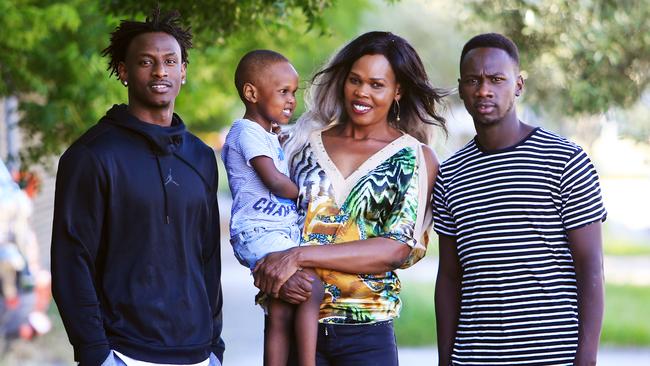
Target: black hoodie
(135, 243)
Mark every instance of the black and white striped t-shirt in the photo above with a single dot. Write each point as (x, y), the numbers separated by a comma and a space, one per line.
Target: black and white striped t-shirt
(509, 211)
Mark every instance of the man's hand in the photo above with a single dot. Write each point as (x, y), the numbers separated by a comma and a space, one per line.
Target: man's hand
(272, 271)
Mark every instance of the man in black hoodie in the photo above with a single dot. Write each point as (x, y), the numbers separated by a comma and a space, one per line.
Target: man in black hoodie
(135, 244)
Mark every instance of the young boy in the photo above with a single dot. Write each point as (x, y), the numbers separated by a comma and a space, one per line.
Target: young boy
(264, 217)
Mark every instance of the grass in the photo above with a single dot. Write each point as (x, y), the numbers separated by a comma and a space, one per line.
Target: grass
(416, 325)
(614, 243)
(627, 319)
(626, 323)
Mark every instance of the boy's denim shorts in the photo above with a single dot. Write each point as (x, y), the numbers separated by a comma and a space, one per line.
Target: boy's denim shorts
(253, 244)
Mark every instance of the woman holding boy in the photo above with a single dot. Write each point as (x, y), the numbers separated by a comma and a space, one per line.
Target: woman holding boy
(365, 175)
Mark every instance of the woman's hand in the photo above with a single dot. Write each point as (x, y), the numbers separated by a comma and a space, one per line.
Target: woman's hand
(272, 271)
(298, 288)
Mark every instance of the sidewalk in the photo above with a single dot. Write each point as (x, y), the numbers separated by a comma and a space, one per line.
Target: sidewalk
(606, 357)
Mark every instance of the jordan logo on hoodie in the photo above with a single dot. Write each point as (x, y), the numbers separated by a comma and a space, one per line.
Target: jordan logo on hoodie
(170, 179)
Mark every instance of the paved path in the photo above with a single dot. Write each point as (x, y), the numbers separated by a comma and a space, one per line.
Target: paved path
(606, 357)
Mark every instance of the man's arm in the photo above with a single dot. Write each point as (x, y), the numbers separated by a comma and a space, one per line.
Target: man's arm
(587, 251)
(273, 179)
(212, 275)
(76, 237)
(447, 298)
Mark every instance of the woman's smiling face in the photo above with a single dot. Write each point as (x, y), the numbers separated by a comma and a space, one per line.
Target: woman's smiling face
(369, 90)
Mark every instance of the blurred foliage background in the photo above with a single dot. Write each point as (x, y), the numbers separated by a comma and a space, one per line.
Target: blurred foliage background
(581, 58)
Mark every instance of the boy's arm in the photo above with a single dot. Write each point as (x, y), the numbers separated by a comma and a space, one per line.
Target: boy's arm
(273, 179)
(587, 251)
(447, 298)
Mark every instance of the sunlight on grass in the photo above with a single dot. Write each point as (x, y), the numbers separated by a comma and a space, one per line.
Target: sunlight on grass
(622, 246)
(627, 319)
(416, 325)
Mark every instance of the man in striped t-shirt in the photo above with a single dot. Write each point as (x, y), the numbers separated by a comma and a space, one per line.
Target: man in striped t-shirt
(518, 211)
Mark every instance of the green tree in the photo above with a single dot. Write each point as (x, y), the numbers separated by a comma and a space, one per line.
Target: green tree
(50, 62)
(210, 100)
(634, 122)
(214, 20)
(581, 57)
(51, 58)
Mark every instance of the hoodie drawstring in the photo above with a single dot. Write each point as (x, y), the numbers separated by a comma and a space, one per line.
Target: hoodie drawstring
(162, 181)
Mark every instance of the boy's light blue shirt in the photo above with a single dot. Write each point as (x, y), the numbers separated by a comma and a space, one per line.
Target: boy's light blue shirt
(254, 205)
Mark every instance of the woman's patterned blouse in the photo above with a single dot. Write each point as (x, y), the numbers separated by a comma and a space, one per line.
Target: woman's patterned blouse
(385, 197)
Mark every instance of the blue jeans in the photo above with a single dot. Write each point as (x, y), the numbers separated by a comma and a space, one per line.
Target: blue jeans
(358, 344)
(352, 345)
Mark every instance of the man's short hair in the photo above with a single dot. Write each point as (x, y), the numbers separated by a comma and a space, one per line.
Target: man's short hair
(122, 36)
(491, 40)
(252, 65)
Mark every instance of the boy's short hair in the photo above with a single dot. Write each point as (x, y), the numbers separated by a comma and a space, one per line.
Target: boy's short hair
(122, 36)
(491, 40)
(252, 65)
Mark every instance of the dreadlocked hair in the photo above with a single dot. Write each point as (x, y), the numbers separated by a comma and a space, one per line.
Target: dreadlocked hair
(122, 36)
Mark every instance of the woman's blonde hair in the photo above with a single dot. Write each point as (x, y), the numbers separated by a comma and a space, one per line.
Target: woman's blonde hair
(418, 106)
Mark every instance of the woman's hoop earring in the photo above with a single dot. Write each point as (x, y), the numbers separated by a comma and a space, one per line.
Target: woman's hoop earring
(396, 110)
